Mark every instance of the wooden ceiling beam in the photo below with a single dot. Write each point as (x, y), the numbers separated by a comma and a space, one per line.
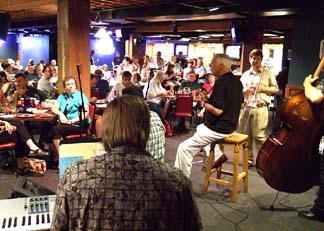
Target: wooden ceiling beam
(17, 5)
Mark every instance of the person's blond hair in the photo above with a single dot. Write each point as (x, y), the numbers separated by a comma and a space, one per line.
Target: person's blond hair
(126, 122)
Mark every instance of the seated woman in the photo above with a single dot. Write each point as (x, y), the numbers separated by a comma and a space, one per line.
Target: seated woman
(156, 93)
(170, 79)
(67, 107)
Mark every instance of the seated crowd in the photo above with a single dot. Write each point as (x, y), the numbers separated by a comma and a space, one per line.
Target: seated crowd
(154, 79)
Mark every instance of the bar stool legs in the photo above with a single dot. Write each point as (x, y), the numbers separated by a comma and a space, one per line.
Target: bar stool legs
(236, 140)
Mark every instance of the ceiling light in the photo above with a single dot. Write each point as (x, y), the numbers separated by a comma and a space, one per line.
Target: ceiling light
(213, 9)
(101, 33)
(185, 39)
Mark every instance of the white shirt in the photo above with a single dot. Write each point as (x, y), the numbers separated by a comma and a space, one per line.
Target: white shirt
(155, 89)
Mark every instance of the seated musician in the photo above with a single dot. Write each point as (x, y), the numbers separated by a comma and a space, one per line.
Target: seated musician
(221, 115)
(125, 188)
(67, 107)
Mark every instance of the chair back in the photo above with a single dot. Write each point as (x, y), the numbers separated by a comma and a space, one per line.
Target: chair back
(184, 106)
(95, 93)
(92, 110)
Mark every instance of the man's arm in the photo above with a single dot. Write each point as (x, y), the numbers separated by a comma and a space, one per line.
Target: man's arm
(212, 109)
(312, 93)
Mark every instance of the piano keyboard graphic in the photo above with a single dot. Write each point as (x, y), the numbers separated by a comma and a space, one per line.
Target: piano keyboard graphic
(29, 213)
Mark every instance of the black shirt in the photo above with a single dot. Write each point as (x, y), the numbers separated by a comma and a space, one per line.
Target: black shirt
(227, 95)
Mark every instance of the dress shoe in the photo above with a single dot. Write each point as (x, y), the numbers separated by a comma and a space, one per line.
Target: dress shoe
(222, 159)
(311, 215)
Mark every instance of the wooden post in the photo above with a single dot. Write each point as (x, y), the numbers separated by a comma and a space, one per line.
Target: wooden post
(74, 41)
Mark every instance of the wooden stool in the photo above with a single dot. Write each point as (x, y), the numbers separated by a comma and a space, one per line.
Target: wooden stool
(236, 140)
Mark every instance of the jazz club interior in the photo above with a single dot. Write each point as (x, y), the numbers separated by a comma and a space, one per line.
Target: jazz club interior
(218, 115)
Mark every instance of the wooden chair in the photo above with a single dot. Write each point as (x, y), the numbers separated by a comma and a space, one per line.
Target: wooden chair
(235, 140)
(92, 109)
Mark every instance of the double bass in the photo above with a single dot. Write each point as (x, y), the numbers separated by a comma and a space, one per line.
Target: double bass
(289, 160)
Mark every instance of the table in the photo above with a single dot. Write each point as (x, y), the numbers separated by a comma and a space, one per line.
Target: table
(46, 117)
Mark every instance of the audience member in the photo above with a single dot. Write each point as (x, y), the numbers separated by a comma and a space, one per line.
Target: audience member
(156, 141)
(136, 79)
(117, 60)
(102, 84)
(201, 70)
(117, 89)
(191, 82)
(125, 188)
(45, 85)
(182, 60)
(156, 93)
(24, 91)
(159, 61)
(188, 69)
(67, 107)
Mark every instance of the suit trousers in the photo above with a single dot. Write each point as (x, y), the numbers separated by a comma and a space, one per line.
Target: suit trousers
(257, 125)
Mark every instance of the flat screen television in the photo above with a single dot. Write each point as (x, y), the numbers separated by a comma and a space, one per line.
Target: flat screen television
(181, 47)
(233, 51)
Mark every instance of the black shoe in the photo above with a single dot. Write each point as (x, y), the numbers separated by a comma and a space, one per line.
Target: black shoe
(310, 215)
(37, 152)
(250, 163)
(222, 159)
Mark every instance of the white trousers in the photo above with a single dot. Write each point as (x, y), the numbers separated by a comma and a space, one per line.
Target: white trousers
(190, 147)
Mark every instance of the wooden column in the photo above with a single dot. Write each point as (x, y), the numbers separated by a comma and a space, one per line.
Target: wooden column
(74, 41)
(253, 39)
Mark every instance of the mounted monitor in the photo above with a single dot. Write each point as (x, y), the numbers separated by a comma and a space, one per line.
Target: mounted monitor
(5, 20)
(181, 47)
(233, 51)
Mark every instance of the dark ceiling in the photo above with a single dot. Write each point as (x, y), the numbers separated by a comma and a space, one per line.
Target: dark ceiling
(155, 17)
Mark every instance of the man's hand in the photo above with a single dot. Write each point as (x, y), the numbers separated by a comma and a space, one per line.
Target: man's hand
(310, 80)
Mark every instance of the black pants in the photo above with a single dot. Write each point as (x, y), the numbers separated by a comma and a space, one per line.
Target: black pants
(20, 136)
(62, 130)
(319, 202)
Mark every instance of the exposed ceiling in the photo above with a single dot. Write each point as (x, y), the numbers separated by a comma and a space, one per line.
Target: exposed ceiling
(156, 17)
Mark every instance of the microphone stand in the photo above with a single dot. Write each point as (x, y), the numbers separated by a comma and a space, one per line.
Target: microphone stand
(81, 107)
